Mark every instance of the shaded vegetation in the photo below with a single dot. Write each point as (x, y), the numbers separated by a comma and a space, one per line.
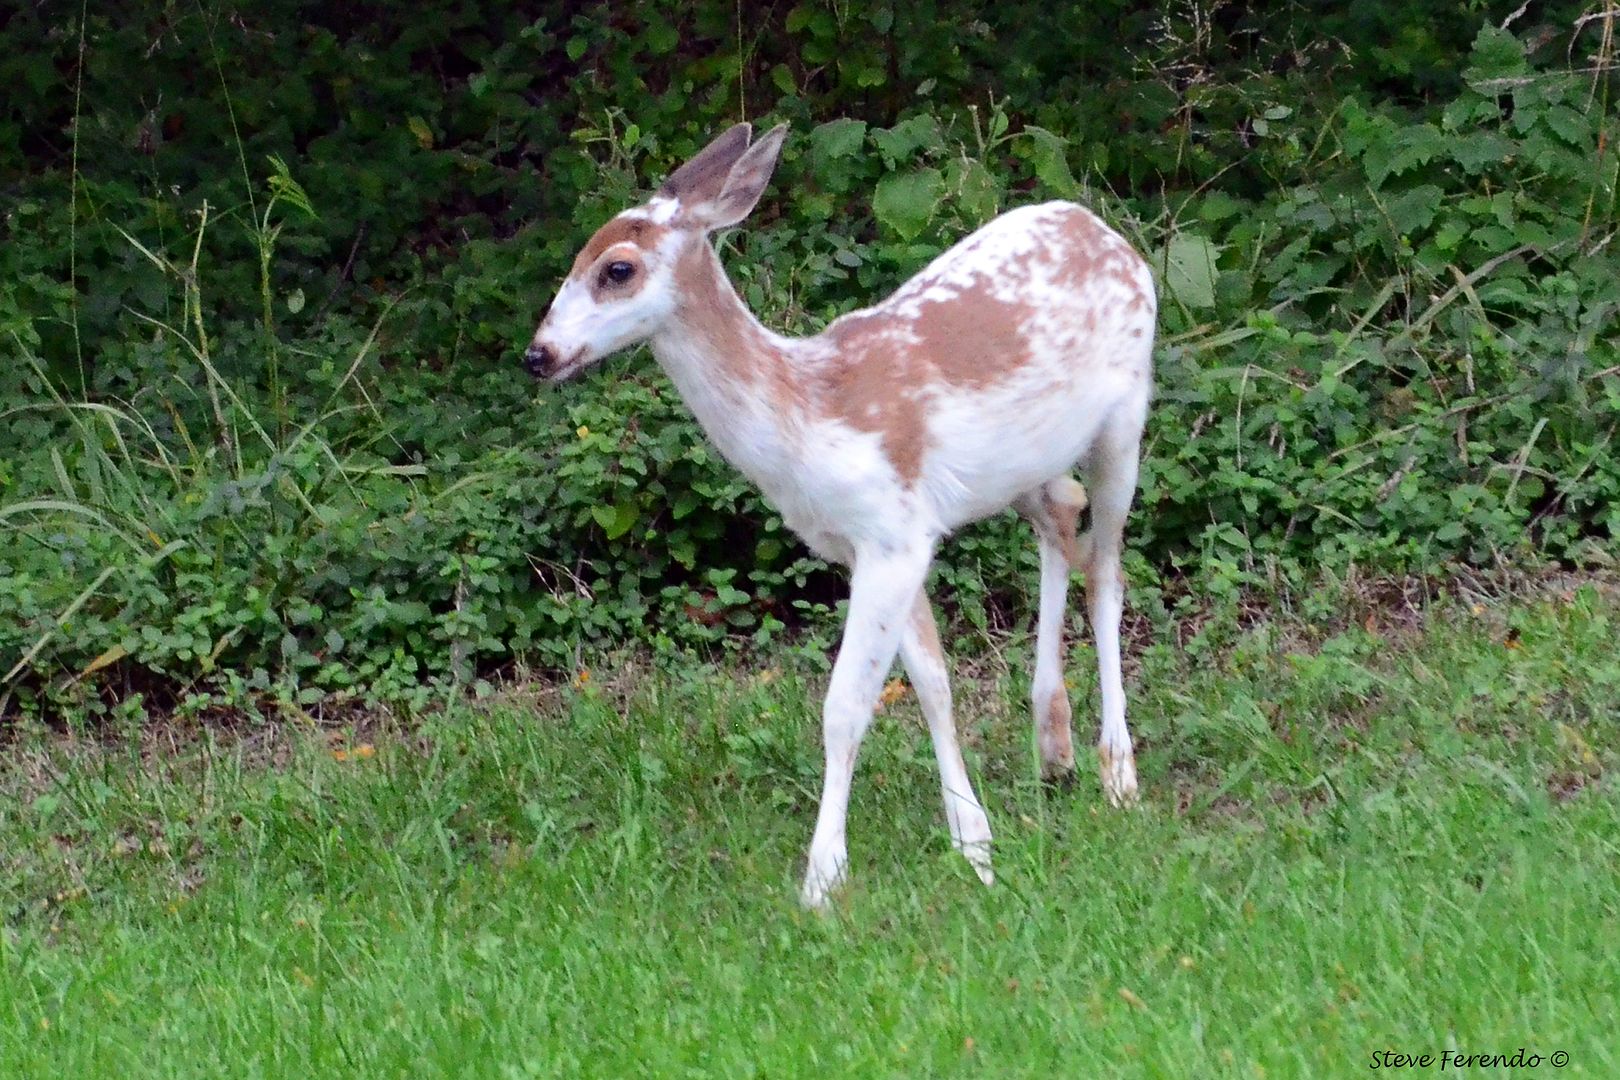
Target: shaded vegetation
(263, 439)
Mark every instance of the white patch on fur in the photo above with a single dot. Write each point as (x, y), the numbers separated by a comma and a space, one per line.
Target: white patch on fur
(661, 210)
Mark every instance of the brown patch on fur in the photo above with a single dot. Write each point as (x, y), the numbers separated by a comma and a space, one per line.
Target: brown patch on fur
(1095, 252)
(1057, 745)
(869, 388)
(708, 304)
(1065, 523)
(711, 307)
(1057, 520)
(974, 338)
(1108, 765)
(922, 621)
(642, 233)
(883, 368)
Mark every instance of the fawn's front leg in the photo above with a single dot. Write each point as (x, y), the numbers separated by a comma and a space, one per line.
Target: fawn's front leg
(883, 586)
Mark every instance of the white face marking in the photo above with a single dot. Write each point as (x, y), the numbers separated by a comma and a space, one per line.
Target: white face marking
(661, 210)
(593, 317)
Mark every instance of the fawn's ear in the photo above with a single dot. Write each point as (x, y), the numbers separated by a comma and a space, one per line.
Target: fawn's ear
(704, 177)
(715, 205)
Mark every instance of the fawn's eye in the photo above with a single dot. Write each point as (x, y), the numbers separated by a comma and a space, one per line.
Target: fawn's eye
(617, 273)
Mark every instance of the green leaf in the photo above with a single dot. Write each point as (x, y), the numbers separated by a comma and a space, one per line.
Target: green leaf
(1218, 206)
(1189, 269)
(906, 201)
(1413, 145)
(837, 139)
(616, 520)
(900, 143)
(1479, 150)
(1049, 154)
(420, 129)
(1573, 127)
(812, 17)
(1497, 55)
(976, 190)
(1469, 109)
(1412, 211)
(868, 74)
(662, 37)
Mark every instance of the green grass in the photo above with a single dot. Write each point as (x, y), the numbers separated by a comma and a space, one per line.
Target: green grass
(1350, 843)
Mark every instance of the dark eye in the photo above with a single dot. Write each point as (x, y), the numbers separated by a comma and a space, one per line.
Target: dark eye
(618, 272)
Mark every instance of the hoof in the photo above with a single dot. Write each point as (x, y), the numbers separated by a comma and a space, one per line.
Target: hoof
(1118, 776)
(820, 884)
(815, 897)
(1057, 779)
(978, 857)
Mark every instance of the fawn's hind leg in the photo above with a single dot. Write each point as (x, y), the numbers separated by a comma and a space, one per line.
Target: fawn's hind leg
(1054, 509)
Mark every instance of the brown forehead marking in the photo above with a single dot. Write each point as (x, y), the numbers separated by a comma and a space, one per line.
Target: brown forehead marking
(621, 230)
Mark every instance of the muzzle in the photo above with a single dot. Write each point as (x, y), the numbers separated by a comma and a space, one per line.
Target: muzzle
(540, 360)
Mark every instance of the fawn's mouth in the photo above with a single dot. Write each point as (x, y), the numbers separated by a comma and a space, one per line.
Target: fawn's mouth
(542, 362)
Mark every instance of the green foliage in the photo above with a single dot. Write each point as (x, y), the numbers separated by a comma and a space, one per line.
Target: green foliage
(598, 880)
(263, 438)
(1424, 375)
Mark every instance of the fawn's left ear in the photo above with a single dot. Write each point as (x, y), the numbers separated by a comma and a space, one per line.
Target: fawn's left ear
(744, 184)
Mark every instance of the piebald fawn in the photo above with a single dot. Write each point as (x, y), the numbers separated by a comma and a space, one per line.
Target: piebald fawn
(1021, 353)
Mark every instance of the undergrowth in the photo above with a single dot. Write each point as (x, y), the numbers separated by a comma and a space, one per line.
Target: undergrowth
(243, 468)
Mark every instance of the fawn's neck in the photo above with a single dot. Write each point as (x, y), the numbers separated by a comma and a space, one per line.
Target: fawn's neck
(739, 379)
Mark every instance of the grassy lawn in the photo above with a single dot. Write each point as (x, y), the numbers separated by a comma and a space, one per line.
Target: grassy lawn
(1401, 838)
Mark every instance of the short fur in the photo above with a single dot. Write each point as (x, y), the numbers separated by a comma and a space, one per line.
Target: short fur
(1022, 352)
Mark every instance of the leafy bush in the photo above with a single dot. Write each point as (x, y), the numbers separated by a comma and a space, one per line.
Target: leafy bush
(268, 445)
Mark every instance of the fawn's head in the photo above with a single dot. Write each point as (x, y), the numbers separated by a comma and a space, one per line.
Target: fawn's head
(623, 286)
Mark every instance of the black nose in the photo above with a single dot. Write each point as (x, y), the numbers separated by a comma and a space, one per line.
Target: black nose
(540, 361)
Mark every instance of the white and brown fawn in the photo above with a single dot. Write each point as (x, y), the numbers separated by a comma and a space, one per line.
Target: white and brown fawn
(1021, 353)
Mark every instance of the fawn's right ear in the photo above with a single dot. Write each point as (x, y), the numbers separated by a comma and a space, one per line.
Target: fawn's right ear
(721, 185)
(704, 177)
